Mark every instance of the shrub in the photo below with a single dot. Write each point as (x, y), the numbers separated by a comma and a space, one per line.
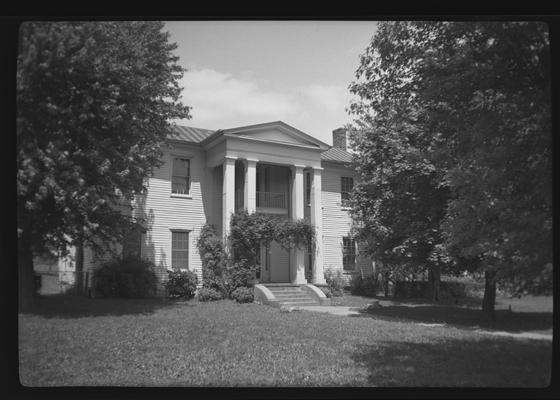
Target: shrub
(127, 277)
(243, 295)
(412, 289)
(472, 287)
(367, 286)
(213, 256)
(239, 274)
(336, 282)
(208, 294)
(455, 290)
(216, 283)
(181, 284)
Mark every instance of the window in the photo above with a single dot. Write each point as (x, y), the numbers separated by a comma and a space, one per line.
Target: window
(180, 181)
(179, 250)
(346, 184)
(348, 253)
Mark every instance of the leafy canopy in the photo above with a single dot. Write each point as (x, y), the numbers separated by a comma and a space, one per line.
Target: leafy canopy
(398, 203)
(94, 101)
(453, 137)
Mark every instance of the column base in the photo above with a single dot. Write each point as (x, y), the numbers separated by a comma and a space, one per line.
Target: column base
(317, 281)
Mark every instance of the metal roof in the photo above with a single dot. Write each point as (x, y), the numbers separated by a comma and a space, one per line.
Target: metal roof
(198, 135)
(335, 154)
(189, 134)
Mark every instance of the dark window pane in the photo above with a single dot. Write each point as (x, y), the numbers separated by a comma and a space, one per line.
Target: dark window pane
(180, 250)
(348, 253)
(346, 184)
(180, 181)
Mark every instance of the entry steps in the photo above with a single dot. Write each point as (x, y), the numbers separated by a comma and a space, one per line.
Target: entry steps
(291, 295)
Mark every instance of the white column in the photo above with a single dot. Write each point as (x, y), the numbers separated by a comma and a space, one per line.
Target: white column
(316, 214)
(228, 200)
(250, 192)
(297, 255)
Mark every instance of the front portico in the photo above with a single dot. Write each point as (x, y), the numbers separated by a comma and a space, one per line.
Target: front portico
(256, 177)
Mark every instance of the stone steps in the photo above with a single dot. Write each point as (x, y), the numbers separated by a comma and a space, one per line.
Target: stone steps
(289, 295)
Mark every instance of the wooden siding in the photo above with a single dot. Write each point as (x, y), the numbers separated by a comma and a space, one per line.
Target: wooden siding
(337, 222)
(166, 212)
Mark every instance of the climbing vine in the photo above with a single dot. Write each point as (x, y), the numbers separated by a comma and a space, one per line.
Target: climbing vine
(248, 232)
(225, 272)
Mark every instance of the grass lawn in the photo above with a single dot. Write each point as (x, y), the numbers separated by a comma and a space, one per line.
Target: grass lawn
(80, 342)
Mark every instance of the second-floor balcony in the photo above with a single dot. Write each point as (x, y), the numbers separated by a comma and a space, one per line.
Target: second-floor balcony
(272, 200)
(266, 201)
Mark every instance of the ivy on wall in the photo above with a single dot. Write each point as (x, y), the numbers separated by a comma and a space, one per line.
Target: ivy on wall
(225, 272)
(248, 232)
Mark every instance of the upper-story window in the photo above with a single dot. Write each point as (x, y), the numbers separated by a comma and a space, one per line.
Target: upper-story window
(181, 179)
(346, 184)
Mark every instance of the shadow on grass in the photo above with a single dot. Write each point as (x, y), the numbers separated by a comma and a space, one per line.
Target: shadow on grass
(505, 320)
(71, 306)
(352, 300)
(480, 363)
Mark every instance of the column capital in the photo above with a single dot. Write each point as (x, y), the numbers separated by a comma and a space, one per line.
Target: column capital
(250, 162)
(230, 158)
(317, 169)
(297, 166)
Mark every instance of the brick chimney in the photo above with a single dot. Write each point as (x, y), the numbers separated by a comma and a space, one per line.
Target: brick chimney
(339, 138)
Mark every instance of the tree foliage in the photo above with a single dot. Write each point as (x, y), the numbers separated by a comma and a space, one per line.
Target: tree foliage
(399, 204)
(453, 139)
(94, 101)
(495, 125)
(214, 258)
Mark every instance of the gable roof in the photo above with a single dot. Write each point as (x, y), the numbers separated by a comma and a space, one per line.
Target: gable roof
(199, 136)
(335, 154)
(281, 126)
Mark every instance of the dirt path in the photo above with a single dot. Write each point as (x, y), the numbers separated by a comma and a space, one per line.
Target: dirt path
(520, 335)
(347, 311)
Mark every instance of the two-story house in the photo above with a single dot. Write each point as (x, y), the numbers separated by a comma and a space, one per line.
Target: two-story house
(271, 168)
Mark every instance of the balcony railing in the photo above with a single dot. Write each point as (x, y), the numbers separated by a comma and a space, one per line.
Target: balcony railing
(271, 200)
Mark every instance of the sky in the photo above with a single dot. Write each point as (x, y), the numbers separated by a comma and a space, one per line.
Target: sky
(249, 72)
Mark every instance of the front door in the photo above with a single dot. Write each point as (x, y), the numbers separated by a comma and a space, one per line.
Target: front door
(275, 266)
(279, 264)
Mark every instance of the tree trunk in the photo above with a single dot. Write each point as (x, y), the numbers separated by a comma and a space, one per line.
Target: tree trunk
(386, 284)
(434, 277)
(79, 268)
(489, 299)
(26, 276)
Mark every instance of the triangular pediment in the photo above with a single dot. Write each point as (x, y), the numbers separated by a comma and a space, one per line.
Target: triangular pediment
(276, 132)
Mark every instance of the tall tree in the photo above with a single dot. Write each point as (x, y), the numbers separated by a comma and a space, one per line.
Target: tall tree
(481, 118)
(486, 89)
(94, 104)
(399, 204)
